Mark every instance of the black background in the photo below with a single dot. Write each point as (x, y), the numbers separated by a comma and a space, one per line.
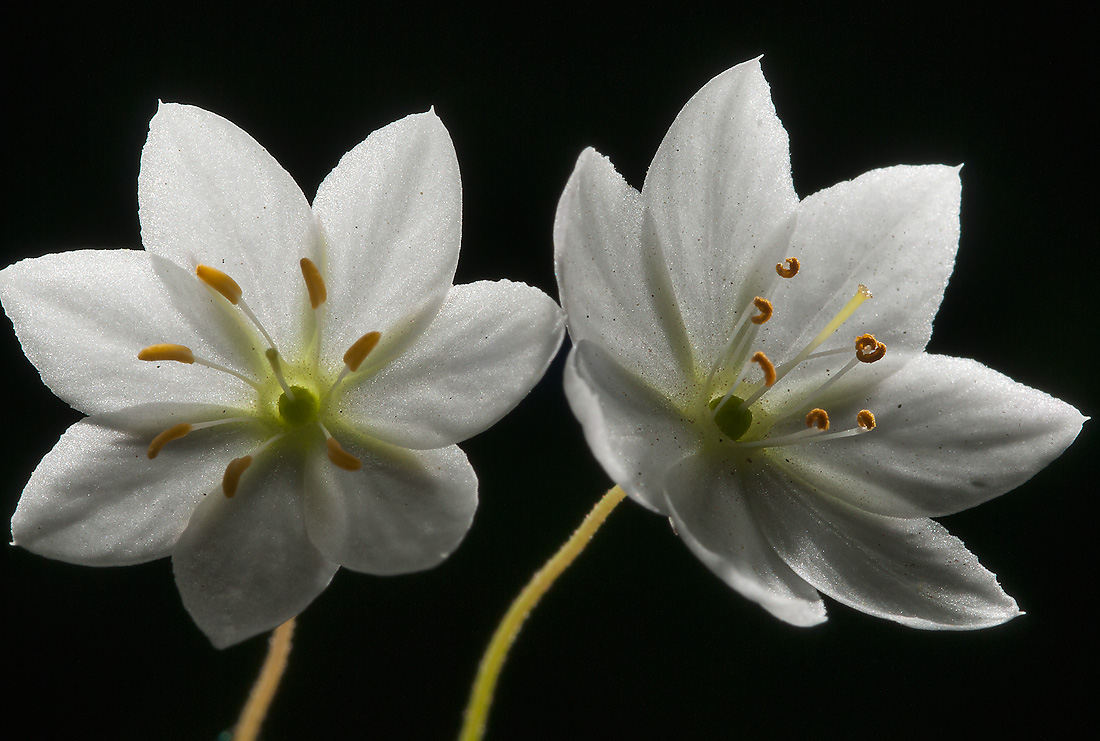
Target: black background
(638, 640)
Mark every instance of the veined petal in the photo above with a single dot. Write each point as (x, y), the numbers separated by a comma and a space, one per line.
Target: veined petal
(896, 230)
(720, 196)
(245, 565)
(911, 571)
(615, 293)
(96, 499)
(392, 215)
(951, 434)
(403, 511)
(635, 433)
(208, 193)
(486, 348)
(711, 515)
(83, 316)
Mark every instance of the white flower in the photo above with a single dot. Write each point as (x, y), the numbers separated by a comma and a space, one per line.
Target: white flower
(670, 381)
(242, 292)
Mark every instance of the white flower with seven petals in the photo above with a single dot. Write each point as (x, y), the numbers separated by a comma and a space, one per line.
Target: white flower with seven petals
(304, 373)
(720, 383)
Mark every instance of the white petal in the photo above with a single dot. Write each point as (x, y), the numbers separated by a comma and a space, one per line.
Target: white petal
(711, 515)
(896, 231)
(403, 511)
(83, 316)
(96, 498)
(245, 565)
(485, 349)
(911, 571)
(951, 434)
(208, 193)
(720, 196)
(614, 293)
(634, 432)
(392, 217)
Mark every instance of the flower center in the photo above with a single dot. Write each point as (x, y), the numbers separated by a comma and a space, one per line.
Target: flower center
(298, 407)
(733, 415)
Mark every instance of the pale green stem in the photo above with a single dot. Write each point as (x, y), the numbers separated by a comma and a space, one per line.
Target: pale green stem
(263, 692)
(481, 696)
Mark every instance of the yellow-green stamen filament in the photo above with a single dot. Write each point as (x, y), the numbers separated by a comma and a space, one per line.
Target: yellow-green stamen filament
(165, 352)
(272, 356)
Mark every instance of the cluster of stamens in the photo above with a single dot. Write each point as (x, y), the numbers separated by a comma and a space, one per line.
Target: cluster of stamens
(297, 407)
(733, 415)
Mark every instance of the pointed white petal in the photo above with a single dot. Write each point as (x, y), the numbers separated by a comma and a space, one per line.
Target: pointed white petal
(895, 230)
(485, 349)
(951, 434)
(245, 565)
(392, 217)
(720, 197)
(911, 571)
(83, 316)
(709, 512)
(403, 511)
(635, 433)
(208, 193)
(614, 293)
(96, 498)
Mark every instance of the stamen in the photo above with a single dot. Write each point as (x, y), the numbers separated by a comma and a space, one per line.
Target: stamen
(865, 419)
(174, 432)
(765, 365)
(220, 282)
(272, 356)
(167, 351)
(766, 309)
(232, 477)
(315, 284)
(360, 349)
(790, 271)
(862, 294)
(868, 349)
(818, 418)
(340, 457)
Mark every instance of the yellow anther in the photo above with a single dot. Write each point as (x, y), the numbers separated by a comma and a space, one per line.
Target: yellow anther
(360, 349)
(765, 307)
(791, 269)
(765, 365)
(232, 476)
(220, 282)
(340, 457)
(315, 284)
(865, 419)
(172, 433)
(166, 351)
(818, 418)
(868, 349)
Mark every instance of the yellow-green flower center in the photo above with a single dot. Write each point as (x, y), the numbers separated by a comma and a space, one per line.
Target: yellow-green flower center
(301, 410)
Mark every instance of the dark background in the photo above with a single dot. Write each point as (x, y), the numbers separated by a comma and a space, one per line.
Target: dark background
(638, 640)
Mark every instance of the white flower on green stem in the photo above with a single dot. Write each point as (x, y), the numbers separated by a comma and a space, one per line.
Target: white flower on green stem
(304, 374)
(719, 382)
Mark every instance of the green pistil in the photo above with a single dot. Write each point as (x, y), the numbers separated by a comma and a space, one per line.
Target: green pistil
(731, 418)
(301, 410)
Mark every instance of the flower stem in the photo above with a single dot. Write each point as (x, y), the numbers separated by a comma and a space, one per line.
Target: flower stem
(481, 695)
(248, 727)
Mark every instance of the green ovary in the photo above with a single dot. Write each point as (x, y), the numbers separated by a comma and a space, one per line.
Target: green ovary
(731, 418)
(301, 410)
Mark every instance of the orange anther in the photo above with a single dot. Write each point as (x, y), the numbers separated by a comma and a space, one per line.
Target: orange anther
(766, 309)
(765, 365)
(791, 269)
(165, 351)
(868, 349)
(360, 349)
(315, 284)
(172, 433)
(340, 457)
(865, 419)
(818, 418)
(220, 282)
(233, 473)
